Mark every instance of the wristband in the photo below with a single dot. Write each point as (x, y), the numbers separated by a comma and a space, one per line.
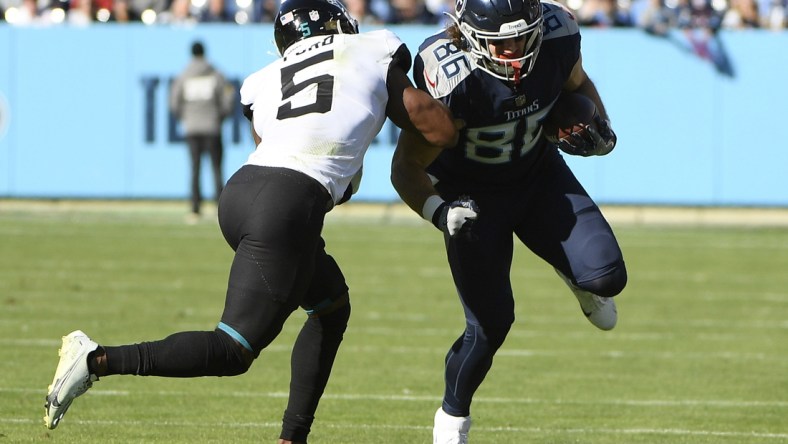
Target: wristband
(431, 205)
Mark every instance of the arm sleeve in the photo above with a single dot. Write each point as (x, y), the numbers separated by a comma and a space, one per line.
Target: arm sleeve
(418, 73)
(175, 97)
(401, 58)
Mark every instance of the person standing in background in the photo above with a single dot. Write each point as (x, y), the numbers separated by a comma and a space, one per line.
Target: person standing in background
(201, 99)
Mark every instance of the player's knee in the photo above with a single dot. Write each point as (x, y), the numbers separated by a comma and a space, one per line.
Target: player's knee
(496, 335)
(238, 358)
(608, 285)
(486, 339)
(332, 314)
(336, 321)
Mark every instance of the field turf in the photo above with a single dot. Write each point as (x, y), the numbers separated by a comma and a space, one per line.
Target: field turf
(700, 354)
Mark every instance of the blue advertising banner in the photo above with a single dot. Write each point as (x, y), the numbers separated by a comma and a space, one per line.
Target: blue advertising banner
(83, 114)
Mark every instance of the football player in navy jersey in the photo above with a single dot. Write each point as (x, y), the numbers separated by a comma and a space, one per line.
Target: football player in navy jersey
(500, 67)
(314, 113)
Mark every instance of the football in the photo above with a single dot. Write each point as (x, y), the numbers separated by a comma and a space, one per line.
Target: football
(570, 113)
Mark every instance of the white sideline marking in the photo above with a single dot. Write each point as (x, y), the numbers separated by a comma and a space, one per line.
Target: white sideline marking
(520, 430)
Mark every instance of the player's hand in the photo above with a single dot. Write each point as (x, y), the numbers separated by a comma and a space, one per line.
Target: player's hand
(602, 137)
(457, 218)
(596, 139)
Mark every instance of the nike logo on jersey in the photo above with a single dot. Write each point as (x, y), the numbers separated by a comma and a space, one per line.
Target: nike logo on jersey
(430, 82)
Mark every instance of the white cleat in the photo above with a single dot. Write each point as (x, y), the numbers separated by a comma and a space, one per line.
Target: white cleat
(600, 311)
(450, 429)
(72, 377)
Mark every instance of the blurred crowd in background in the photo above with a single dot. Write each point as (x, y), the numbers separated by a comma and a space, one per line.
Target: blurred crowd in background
(655, 16)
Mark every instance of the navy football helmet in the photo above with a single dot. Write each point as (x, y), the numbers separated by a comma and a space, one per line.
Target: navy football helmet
(486, 21)
(299, 19)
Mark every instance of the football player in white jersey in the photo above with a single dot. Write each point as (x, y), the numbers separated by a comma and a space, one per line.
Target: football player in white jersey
(500, 68)
(314, 113)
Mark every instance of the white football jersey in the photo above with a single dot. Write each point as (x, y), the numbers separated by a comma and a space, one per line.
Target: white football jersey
(318, 108)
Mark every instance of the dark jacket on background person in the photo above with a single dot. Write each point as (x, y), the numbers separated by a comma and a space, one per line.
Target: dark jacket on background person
(201, 98)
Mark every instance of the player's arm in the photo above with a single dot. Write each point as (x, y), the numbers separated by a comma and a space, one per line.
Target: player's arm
(256, 138)
(416, 111)
(408, 170)
(249, 114)
(409, 177)
(579, 82)
(602, 138)
(175, 99)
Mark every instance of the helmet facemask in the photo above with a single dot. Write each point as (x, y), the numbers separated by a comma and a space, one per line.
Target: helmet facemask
(510, 69)
(481, 22)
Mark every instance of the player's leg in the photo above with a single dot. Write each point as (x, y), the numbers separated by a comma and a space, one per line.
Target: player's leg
(327, 305)
(480, 268)
(216, 153)
(274, 259)
(563, 225)
(272, 217)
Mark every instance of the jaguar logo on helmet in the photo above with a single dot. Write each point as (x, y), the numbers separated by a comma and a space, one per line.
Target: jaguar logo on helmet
(459, 7)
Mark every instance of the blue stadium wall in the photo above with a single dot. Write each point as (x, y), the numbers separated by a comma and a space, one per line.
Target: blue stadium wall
(83, 114)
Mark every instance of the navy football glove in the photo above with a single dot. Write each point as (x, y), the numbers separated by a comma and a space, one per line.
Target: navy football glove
(595, 140)
(457, 218)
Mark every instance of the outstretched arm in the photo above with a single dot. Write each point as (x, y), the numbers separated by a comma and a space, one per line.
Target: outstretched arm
(414, 110)
(410, 179)
(408, 170)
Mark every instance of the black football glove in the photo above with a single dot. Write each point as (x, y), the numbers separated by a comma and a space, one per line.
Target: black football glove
(591, 142)
(456, 219)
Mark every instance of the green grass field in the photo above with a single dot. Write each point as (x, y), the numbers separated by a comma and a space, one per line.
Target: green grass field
(700, 354)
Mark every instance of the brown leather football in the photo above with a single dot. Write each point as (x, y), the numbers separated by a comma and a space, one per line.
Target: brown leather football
(570, 113)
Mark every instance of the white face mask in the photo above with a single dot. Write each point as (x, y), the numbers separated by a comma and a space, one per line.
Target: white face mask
(502, 67)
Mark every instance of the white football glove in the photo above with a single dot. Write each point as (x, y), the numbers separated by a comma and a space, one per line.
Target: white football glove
(457, 218)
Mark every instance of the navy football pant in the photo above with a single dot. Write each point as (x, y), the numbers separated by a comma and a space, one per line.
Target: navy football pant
(272, 218)
(557, 220)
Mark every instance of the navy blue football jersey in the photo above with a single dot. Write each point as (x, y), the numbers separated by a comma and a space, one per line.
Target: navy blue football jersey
(502, 140)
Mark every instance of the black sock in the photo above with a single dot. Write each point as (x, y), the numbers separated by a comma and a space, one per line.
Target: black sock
(181, 355)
